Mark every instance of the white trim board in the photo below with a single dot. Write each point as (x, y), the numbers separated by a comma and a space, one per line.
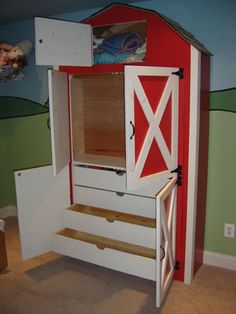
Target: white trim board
(192, 163)
(219, 260)
(8, 211)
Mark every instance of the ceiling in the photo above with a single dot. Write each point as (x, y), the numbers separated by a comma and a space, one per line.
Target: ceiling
(18, 10)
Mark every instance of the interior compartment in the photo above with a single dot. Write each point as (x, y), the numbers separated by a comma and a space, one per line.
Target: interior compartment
(119, 43)
(97, 111)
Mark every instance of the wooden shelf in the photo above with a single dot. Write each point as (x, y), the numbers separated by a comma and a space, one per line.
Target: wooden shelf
(102, 243)
(111, 215)
(100, 160)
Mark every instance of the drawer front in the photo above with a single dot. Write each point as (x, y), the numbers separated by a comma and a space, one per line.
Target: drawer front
(132, 204)
(103, 179)
(116, 230)
(121, 261)
(113, 181)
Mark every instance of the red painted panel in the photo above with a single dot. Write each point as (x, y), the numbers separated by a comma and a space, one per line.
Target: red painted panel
(165, 125)
(202, 162)
(168, 49)
(141, 126)
(154, 162)
(153, 87)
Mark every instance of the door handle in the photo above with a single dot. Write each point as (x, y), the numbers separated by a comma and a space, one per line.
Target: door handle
(120, 172)
(131, 137)
(120, 193)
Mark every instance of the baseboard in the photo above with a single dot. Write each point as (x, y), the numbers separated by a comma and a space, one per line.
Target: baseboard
(219, 260)
(7, 211)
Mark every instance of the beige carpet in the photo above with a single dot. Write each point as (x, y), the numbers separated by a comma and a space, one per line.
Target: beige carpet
(56, 284)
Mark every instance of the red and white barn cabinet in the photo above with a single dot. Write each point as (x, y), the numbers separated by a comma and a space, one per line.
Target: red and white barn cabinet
(129, 147)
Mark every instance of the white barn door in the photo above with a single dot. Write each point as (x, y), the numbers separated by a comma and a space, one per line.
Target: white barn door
(41, 199)
(60, 42)
(151, 110)
(166, 210)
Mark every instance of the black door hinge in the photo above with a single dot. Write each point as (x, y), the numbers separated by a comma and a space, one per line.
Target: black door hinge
(180, 73)
(178, 170)
(177, 265)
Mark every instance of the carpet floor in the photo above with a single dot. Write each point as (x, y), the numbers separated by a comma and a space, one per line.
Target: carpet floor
(52, 283)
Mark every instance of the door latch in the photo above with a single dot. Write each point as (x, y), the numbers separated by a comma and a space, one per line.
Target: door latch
(179, 73)
(178, 170)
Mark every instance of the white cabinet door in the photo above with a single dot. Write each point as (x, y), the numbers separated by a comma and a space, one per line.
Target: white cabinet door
(151, 113)
(166, 212)
(41, 199)
(62, 43)
(59, 120)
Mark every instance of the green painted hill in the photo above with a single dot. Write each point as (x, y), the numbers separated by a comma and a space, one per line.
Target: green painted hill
(12, 107)
(224, 100)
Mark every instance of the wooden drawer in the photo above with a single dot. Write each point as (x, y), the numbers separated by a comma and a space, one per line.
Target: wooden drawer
(112, 180)
(128, 263)
(118, 201)
(133, 229)
(99, 178)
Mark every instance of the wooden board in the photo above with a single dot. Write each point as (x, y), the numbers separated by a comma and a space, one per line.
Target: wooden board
(41, 199)
(118, 201)
(102, 243)
(60, 42)
(97, 106)
(111, 215)
(99, 160)
(117, 260)
(59, 120)
(115, 229)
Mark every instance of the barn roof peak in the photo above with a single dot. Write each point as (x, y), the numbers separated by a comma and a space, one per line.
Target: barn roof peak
(186, 35)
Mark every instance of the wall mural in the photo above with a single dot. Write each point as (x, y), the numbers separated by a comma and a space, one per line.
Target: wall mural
(12, 107)
(13, 59)
(27, 152)
(221, 197)
(25, 141)
(223, 100)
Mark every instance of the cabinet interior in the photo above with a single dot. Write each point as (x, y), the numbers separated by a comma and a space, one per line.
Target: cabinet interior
(97, 119)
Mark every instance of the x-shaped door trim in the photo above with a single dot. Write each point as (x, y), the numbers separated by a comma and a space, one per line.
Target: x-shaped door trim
(134, 87)
(165, 237)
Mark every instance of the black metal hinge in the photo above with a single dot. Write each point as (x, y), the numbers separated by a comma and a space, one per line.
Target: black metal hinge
(180, 73)
(177, 265)
(178, 170)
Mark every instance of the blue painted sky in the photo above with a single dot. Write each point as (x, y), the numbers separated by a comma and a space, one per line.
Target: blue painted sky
(212, 22)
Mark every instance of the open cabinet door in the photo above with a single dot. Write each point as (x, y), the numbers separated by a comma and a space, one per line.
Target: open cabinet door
(41, 199)
(62, 43)
(166, 206)
(59, 120)
(151, 114)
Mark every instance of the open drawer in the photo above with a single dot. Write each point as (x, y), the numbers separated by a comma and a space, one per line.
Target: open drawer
(131, 228)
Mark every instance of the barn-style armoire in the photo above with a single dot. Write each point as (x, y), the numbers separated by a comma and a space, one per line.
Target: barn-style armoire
(129, 127)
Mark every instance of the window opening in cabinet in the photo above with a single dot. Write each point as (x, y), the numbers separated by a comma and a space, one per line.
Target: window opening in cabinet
(119, 43)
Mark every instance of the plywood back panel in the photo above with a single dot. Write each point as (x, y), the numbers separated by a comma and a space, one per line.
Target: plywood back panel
(97, 106)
